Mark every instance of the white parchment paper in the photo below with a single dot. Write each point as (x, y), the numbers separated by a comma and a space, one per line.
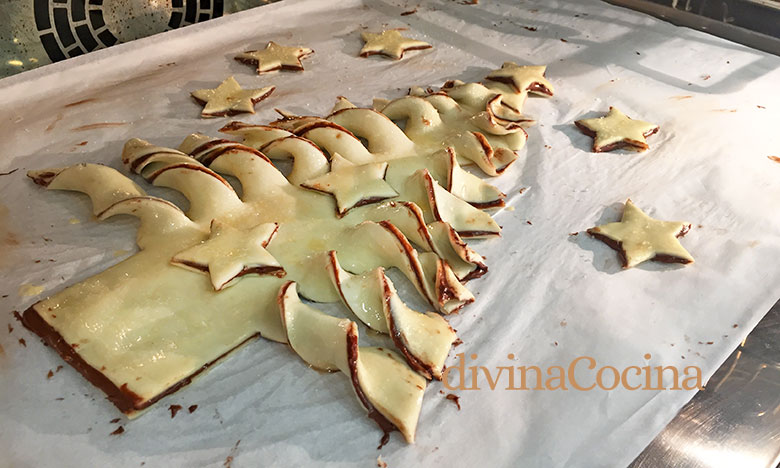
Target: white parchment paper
(548, 298)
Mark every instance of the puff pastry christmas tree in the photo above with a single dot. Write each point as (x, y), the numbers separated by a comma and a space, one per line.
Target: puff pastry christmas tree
(232, 267)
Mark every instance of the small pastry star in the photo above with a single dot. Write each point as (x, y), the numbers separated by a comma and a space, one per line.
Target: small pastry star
(638, 237)
(616, 130)
(229, 98)
(231, 253)
(390, 43)
(275, 57)
(523, 78)
(353, 185)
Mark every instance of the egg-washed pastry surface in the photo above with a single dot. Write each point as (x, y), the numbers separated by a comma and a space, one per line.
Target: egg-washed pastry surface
(637, 238)
(390, 43)
(234, 267)
(617, 130)
(275, 57)
(229, 98)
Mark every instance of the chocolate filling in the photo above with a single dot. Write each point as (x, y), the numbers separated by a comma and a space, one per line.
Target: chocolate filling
(387, 54)
(352, 354)
(258, 270)
(535, 87)
(233, 111)
(122, 397)
(625, 143)
(618, 246)
(43, 178)
(410, 253)
(256, 63)
(192, 167)
(303, 129)
(400, 341)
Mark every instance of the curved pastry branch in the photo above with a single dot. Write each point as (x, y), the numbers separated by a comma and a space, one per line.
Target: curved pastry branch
(384, 384)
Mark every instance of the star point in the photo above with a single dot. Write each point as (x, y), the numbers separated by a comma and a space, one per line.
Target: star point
(230, 253)
(353, 185)
(390, 43)
(617, 130)
(637, 237)
(229, 98)
(275, 57)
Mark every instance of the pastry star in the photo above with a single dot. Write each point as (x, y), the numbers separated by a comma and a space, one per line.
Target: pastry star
(523, 78)
(390, 43)
(353, 185)
(275, 57)
(616, 130)
(231, 253)
(638, 237)
(228, 98)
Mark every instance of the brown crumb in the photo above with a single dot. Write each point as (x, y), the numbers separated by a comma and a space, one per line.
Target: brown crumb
(410, 12)
(454, 398)
(229, 460)
(59, 368)
(50, 374)
(114, 421)
(118, 430)
(380, 463)
(574, 233)
(563, 323)
(710, 342)
(470, 2)
(457, 342)
(529, 223)
(441, 392)
(706, 77)
(774, 158)
(9, 172)
(564, 40)
(734, 326)
(760, 107)
(174, 409)
(10, 328)
(22, 342)
(530, 28)
(555, 343)
(192, 408)
(522, 189)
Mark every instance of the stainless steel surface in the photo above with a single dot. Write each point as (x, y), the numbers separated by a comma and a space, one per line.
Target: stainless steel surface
(725, 30)
(735, 421)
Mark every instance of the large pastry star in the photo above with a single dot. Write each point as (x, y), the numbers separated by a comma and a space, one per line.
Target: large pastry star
(638, 237)
(390, 43)
(231, 253)
(353, 185)
(616, 130)
(229, 98)
(275, 57)
(528, 78)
